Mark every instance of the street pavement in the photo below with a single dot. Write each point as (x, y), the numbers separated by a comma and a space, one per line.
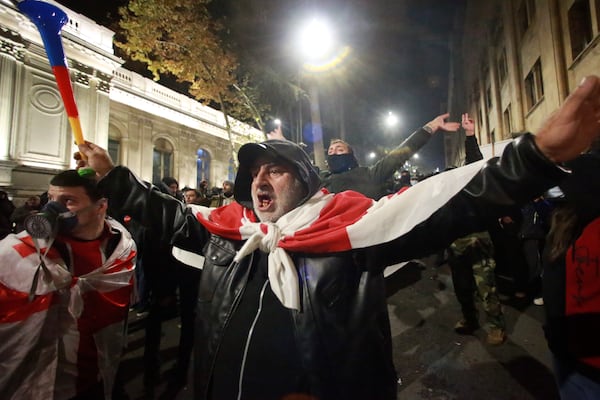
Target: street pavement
(432, 361)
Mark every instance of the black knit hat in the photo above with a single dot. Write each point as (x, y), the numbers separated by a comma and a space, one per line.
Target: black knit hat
(283, 150)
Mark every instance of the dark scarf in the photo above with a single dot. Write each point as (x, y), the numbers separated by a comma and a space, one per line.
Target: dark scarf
(341, 162)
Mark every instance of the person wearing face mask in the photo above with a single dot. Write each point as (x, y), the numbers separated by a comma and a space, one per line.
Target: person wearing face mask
(345, 173)
(65, 286)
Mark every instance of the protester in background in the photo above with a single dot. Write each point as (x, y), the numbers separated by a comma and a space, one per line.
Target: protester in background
(169, 185)
(31, 206)
(345, 173)
(193, 196)
(510, 259)
(224, 195)
(6, 209)
(471, 260)
(404, 180)
(534, 228)
(203, 189)
(62, 322)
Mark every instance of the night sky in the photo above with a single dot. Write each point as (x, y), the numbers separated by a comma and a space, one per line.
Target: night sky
(399, 60)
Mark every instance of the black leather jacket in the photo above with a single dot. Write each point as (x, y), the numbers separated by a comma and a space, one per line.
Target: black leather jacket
(342, 331)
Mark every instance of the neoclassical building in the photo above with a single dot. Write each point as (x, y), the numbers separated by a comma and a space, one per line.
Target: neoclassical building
(515, 61)
(153, 130)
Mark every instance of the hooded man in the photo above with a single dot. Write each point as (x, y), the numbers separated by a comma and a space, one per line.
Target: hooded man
(65, 286)
(291, 299)
(376, 181)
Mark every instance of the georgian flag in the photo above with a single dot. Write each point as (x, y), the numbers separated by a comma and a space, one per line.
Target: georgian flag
(70, 331)
(330, 223)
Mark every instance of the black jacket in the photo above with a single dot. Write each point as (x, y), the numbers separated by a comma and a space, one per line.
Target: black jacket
(376, 181)
(342, 332)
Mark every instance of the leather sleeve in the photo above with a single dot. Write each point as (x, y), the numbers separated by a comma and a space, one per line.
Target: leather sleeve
(472, 152)
(167, 218)
(519, 175)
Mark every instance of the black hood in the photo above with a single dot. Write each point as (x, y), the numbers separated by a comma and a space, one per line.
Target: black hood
(284, 150)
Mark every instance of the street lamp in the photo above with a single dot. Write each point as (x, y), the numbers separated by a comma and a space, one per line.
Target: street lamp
(391, 120)
(321, 54)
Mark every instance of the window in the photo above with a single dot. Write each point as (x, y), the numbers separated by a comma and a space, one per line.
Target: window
(162, 160)
(525, 16)
(507, 118)
(488, 97)
(580, 26)
(202, 166)
(502, 66)
(114, 150)
(534, 85)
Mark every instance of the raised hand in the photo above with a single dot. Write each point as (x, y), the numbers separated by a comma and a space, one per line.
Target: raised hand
(468, 125)
(573, 127)
(97, 158)
(440, 123)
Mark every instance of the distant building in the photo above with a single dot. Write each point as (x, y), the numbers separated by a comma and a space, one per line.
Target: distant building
(153, 130)
(515, 61)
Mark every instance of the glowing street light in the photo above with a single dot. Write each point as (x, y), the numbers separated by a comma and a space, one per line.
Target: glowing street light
(322, 54)
(391, 120)
(316, 39)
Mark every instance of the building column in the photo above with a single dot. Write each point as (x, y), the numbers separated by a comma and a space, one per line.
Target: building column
(10, 74)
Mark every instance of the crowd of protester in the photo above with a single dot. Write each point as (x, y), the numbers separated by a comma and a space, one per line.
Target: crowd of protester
(276, 298)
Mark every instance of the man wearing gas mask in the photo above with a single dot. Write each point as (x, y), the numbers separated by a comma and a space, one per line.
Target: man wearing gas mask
(375, 181)
(65, 286)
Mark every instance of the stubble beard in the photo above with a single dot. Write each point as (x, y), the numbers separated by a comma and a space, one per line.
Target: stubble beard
(293, 194)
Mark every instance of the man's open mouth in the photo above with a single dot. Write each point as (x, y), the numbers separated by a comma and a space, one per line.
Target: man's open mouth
(264, 201)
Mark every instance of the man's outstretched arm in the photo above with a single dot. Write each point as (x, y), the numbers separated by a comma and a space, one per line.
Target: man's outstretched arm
(130, 196)
(395, 159)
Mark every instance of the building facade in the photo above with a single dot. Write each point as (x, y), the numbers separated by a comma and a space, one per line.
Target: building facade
(515, 62)
(151, 129)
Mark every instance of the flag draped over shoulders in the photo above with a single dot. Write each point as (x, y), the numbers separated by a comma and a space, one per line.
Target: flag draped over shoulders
(49, 318)
(330, 223)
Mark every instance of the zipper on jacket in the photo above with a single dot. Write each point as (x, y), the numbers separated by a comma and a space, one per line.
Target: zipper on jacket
(234, 305)
(249, 338)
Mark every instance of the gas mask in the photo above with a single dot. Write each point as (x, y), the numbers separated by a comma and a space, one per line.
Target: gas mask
(54, 217)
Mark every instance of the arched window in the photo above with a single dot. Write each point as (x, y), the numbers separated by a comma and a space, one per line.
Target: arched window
(202, 166)
(162, 161)
(231, 170)
(114, 144)
(114, 149)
